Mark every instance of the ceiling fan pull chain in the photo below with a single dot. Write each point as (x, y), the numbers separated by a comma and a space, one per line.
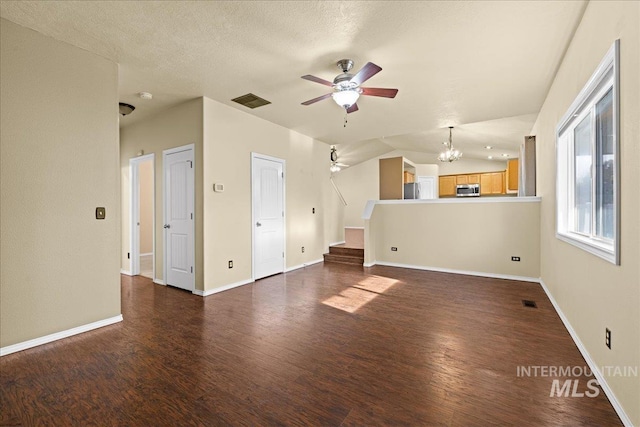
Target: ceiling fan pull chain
(345, 118)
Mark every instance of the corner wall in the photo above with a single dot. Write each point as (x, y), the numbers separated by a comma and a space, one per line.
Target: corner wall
(230, 136)
(592, 293)
(58, 162)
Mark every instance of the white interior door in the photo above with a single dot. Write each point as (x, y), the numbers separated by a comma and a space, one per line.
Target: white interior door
(267, 189)
(179, 192)
(428, 188)
(136, 207)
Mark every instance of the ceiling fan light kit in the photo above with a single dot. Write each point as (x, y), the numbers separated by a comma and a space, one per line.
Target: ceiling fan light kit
(451, 154)
(346, 86)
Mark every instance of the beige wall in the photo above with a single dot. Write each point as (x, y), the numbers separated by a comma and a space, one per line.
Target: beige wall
(427, 170)
(472, 165)
(230, 136)
(59, 161)
(145, 171)
(358, 184)
(592, 293)
(175, 127)
(470, 236)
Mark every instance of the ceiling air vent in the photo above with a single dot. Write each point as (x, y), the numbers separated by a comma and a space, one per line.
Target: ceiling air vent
(250, 100)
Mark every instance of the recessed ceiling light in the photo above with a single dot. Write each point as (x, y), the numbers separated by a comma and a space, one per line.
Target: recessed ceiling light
(505, 155)
(145, 95)
(488, 147)
(490, 157)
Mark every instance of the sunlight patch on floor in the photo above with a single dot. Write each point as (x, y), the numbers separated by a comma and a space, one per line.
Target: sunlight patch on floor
(352, 298)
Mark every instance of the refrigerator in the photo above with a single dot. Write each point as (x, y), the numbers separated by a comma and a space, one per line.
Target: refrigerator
(412, 190)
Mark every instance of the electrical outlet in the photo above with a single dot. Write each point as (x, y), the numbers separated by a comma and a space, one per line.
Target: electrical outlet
(313, 210)
(607, 337)
(128, 255)
(230, 264)
(394, 249)
(515, 258)
(303, 249)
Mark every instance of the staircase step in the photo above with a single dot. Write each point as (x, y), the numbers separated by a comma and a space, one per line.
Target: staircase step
(344, 259)
(342, 250)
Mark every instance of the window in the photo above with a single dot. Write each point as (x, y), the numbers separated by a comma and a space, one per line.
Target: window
(588, 203)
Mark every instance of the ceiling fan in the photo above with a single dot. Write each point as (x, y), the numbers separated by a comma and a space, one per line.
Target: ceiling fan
(346, 86)
(335, 165)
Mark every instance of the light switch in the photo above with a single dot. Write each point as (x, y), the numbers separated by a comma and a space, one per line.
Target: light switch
(101, 213)
(218, 188)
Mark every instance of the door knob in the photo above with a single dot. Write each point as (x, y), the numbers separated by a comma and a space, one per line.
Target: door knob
(167, 226)
(258, 224)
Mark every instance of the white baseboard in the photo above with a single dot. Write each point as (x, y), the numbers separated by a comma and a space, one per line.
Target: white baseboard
(368, 264)
(59, 335)
(222, 288)
(125, 272)
(587, 357)
(306, 264)
(158, 282)
(337, 243)
(465, 272)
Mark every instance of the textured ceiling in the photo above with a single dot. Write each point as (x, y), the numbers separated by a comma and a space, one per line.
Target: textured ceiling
(483, 67)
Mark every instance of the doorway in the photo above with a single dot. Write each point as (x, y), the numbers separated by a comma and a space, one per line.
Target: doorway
(268, 215)
(142, 216)
(178, 195)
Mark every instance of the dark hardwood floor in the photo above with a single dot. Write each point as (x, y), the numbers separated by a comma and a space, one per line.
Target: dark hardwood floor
(328, 345)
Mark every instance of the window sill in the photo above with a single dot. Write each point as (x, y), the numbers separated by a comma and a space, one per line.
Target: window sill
(590, 246)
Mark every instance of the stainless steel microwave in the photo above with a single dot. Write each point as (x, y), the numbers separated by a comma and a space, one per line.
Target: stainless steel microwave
(467, 190)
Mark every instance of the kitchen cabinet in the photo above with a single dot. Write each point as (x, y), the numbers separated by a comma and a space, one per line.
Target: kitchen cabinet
(448, 185)
(492, 183)
(409, 177)
(462, 179)
(473, 178)
(512, 175)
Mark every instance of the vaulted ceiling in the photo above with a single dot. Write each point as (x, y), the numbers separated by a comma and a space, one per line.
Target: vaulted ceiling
(483, 67)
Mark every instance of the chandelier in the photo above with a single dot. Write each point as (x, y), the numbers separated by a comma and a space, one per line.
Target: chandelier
(451, 154)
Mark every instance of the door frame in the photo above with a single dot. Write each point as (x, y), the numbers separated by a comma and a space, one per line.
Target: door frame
(134, 212)
(254, 156)
(165, 153)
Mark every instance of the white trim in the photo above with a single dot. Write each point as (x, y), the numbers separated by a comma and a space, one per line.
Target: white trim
(283, 162)
(158, 282)
(59, 335)
(306, 264)
(125, 272)
(454, 271)
(368, 264)
(337, 243)
(146, 254)
(587, 357)
(356, 228)
(368, 210)
(222, 288)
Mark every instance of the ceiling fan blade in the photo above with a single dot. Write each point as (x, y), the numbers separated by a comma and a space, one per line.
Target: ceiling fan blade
(314, 100)
(374, 91)
(317, 80)
(352, 109)
(369, 70)
(342, 165)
